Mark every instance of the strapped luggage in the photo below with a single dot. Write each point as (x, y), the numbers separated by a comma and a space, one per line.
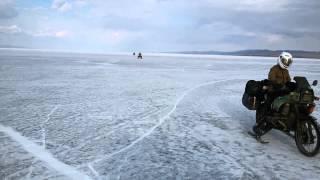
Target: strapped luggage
(249, 98)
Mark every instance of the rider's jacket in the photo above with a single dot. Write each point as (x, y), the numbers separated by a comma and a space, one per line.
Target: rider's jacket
(279, 76)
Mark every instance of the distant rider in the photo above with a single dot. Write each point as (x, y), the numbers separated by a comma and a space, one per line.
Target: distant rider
(279, 79)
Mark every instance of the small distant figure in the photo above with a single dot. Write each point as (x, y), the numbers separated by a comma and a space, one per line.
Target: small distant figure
(140, 55)
(134, 54)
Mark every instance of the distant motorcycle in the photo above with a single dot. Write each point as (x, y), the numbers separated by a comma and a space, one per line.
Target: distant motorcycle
(290, 113)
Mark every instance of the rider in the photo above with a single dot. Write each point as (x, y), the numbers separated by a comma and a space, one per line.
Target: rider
(279, 74)
(280, 79)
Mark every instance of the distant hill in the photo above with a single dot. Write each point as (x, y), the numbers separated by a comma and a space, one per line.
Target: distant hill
(266, 53)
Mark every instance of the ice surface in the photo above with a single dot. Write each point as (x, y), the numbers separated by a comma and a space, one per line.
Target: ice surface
(90, 116)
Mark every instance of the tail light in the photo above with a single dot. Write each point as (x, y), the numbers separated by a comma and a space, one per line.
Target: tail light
(311, 108)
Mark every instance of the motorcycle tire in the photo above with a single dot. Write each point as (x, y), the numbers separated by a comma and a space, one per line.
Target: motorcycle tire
(308, 133)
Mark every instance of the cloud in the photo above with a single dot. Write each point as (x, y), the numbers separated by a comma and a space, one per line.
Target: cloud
(274, 38)
(50, 33)
(61, 34)
(271, 21)
(167, 25)
(206, 24)
(80, 3)
(13, 29)
(262, 5)
(124, 23)
(61, 5)
(7, 9)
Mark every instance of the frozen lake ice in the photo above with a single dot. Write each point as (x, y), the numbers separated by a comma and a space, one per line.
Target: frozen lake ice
(91, 116)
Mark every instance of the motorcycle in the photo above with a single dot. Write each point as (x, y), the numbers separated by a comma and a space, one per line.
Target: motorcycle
(290, 113)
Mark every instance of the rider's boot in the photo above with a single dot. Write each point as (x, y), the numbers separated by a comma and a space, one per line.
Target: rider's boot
(256, 129)
(261, 129)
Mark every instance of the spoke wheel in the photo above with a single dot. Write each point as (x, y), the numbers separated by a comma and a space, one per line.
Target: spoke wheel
(307, 137)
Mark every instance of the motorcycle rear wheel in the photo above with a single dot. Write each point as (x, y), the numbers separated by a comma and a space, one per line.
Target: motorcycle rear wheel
(307, 137)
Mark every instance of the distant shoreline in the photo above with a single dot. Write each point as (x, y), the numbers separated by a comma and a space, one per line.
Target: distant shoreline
(244, 53)
(259, 53)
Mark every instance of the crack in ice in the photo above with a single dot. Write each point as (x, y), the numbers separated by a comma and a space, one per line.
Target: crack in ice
(43, 130)
(40, 153)
(120, 167)
(95, 173)
(28, 176)
(161, 121)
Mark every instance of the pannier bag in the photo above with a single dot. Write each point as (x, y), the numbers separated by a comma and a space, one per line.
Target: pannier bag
(250, 102)
(249, 98)
(252, 87)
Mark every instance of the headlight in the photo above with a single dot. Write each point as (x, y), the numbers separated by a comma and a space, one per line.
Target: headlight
(307, 97)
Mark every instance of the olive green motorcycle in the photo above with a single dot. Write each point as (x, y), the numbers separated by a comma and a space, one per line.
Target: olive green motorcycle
(290, 113)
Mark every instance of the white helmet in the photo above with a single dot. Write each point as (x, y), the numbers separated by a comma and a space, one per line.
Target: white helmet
(285, 60)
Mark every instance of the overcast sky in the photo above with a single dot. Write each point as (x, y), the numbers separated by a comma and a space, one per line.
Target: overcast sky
(160, 25)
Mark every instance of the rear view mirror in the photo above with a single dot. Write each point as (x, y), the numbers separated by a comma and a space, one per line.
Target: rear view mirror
(315, 82)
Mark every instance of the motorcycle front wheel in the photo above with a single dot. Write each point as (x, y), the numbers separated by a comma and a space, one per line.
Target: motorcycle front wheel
(307, 137)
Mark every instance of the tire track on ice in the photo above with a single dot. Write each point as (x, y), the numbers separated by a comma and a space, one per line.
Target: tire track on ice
(161, 121)
(43, 155)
